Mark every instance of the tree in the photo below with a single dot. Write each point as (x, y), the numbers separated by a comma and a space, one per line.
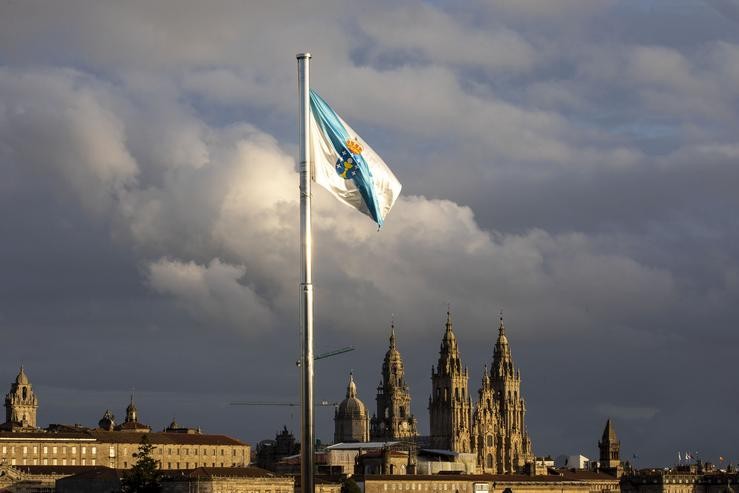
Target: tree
(144, 475)
(350, 486)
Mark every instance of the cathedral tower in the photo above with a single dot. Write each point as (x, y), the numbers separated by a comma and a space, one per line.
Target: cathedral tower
(449, 403)
(505, 438)
(351, 423)
(394, 419)
(515, 448)
(20, 404)
(610, 446)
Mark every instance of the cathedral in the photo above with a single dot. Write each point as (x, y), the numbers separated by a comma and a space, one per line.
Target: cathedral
(491, 429)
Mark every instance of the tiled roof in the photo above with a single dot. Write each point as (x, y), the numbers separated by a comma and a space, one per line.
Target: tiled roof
(155, 438)
(162, 438)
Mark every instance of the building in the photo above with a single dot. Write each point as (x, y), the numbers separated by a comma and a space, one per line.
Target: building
(609, 451)
(493, 431)
(351, 423)
(682, 479)
(567, 482)
(58, 446)
(499, 435)
(270, 452)
(394, 419)
(205, 479)
(577, 461)
(450, 406)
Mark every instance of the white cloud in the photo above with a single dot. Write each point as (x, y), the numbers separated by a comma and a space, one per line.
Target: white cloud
(213, 293)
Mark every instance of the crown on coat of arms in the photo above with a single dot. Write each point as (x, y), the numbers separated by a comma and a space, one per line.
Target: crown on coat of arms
(354, 146)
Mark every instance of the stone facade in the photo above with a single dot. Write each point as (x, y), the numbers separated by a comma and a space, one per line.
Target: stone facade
(500, 438)
(351, 423)
(450, 406)
(585, 482)
(394, 419)
(683, 479)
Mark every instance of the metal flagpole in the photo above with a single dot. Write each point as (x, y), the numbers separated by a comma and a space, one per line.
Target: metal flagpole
(306, 280)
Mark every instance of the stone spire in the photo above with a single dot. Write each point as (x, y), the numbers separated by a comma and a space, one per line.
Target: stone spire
(450, 406)
(131, 412)
(502, 359)
(610, 446)
(511, 446)
(394, 419)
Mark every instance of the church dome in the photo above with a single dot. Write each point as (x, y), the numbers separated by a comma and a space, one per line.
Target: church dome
(352, 406)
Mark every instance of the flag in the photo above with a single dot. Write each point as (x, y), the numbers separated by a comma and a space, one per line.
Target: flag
(346, 166)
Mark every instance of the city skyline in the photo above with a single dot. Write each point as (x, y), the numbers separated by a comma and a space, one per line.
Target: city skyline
(571, 162)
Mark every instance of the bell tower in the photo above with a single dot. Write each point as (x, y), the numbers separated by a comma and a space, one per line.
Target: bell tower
(514, 445)
(449, 403)
(610, 447)
(394, 419)
(21, 404)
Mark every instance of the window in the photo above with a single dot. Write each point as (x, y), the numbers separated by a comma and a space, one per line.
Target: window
(64, 462)
(12, 462)
(169, 465)
(74, 450)
(64, 450)
(74, 462)
(84, 461)
(5, 449)
(125, 465)
(53, 462)
(25, 450)
(111, 451)
(46, 462)
(94, 450)
(46, 449)
(92, 461)
(53, 450)
(35, 449)
(222, 452)
(84, 451)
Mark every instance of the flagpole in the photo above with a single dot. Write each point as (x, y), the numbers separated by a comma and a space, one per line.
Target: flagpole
(306, 280)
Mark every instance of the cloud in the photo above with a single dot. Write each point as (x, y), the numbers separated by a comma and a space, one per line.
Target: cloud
(213, 293)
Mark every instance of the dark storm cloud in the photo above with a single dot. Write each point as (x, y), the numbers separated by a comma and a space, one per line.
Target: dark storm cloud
(570, 161)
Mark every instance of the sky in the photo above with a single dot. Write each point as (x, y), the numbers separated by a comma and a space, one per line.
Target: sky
(573, 163)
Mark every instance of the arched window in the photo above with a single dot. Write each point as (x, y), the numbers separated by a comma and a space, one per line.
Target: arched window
(490, 440)
(489, 461)
(402, 411)
(25, 393)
